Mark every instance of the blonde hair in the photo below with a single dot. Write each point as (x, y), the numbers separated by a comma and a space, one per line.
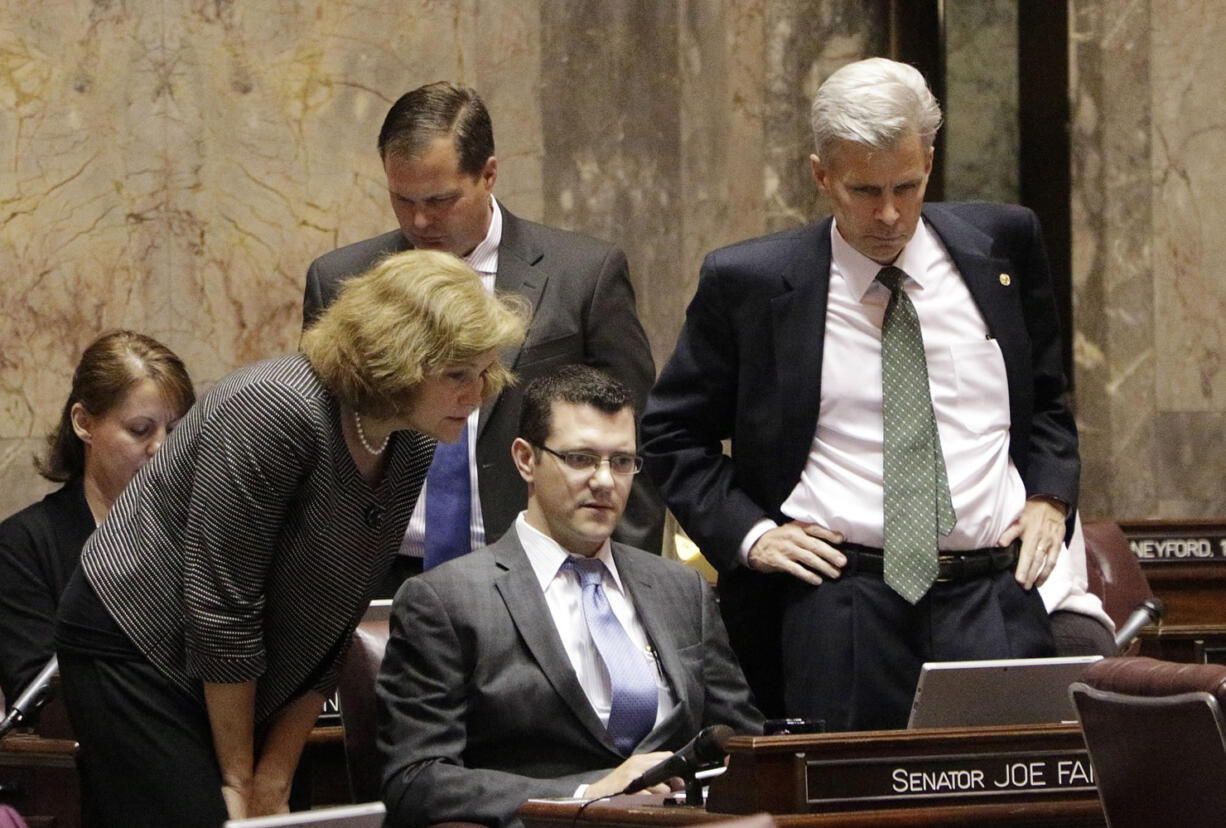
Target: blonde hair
(412, 314)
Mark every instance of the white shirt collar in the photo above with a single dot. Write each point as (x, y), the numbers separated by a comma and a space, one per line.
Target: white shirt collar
(484, 258)
(860, 271)
(547, 557)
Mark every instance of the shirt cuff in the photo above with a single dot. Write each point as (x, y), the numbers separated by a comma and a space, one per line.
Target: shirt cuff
(1059, 503)
(751, 537)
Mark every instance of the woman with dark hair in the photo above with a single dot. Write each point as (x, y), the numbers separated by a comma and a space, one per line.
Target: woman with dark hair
(128, 391)
(207, 622)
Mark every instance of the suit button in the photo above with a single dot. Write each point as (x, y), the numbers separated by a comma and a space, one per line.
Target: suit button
(374, 516)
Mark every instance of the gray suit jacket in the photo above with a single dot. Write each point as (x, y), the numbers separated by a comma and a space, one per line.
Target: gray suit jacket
(480, 709)
(582, 312)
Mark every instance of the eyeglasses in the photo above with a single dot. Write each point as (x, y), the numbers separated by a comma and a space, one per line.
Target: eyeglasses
(586, 461)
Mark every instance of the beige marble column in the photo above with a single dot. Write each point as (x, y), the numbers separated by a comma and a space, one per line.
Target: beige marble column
(1149, 287)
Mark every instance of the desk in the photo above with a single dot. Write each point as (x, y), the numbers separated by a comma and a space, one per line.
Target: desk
(643, 812)
(1185, 565)
(38, 777)
(1024, 775)
(321, 778)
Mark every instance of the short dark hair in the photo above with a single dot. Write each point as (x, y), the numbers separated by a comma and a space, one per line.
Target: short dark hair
(575, 384)
(434, 110)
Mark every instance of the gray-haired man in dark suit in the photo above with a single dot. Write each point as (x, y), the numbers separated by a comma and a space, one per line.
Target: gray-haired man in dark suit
(903, 457)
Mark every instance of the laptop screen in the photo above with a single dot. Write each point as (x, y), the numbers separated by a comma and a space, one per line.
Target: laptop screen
(996, 692)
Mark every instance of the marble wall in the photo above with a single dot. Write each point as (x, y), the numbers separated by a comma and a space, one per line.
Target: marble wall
(981, 100)
(1149, 133)
(175, 167)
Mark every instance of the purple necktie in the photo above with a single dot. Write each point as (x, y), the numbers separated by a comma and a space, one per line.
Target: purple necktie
(448, 503)
(632, 712)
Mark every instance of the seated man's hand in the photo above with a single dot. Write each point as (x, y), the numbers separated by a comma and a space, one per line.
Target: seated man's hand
(627, 771)
(800, 549)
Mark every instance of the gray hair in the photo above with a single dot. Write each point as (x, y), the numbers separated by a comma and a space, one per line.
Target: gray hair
(875, 102)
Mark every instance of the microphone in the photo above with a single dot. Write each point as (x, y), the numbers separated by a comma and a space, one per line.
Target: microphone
(704, 749)
(32, 697)
(1147, 612)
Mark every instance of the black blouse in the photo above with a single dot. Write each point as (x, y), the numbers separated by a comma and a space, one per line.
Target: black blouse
(40, 546)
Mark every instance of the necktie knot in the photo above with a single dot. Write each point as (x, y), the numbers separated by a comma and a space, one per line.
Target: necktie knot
(891, 277)
(589, 570)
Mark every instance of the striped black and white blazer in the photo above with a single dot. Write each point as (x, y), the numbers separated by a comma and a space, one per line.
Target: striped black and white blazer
(248, 547)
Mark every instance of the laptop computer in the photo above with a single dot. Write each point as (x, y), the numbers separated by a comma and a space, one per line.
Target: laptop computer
(364, 815)
(996, 692)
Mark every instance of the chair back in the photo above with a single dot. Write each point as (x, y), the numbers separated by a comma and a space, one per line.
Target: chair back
(1113, 572)
(356, 693)
(1157, 740)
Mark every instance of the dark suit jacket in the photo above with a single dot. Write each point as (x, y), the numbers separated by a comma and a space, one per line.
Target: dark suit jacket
(481, 710)
(40, 547)
(582, 312)
(748, 367)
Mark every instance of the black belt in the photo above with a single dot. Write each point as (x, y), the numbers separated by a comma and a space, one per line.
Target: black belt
(951, 566)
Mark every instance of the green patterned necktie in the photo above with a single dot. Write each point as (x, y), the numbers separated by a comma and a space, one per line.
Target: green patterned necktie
(918, 507)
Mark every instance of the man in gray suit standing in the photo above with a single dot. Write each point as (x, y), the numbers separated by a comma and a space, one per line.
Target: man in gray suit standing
(553, 663)
(437, 147)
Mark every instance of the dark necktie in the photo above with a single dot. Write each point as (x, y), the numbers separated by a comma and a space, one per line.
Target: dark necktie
(918, 507)
(632, 712)
(448, 503)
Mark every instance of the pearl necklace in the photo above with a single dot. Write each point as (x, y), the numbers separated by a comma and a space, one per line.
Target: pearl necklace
(357, 421)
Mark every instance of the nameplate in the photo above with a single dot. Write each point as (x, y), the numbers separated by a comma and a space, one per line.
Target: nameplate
(330, 716)
(1195, 544)
(890, 781)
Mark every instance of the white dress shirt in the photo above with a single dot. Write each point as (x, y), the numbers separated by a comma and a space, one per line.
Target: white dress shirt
(1068, 587)
(564, 596)
(484, 260)
(841, 486)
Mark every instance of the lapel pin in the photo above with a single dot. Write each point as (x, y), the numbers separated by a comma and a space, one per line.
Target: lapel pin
(1005, 280)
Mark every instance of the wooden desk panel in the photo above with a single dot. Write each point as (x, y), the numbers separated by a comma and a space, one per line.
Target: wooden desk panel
(851, 779)
(812, 773)
(1184, 563)
(646, 812)
(38, 777)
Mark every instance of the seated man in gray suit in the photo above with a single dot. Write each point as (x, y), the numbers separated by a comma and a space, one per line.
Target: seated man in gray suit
(502, 679)
(437, 148)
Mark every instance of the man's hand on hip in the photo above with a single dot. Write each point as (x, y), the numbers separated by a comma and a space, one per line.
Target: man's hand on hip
(1041, 528)
(802, 550)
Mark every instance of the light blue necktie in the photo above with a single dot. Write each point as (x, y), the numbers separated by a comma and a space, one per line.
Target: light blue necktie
(448, 503)
(632, 713)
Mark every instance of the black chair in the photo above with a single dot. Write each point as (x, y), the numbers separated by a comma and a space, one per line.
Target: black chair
(1114, 574)
(1157, 741)
(356, 692)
